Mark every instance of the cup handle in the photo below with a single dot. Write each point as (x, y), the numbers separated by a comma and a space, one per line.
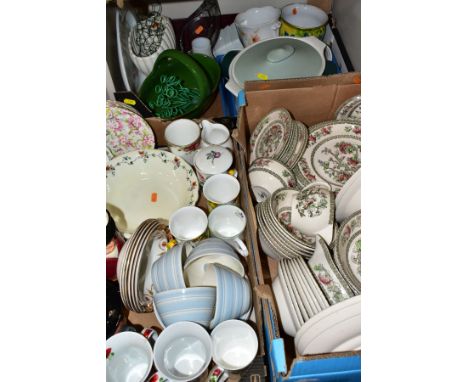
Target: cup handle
(150, 334)
(239, 246)
(276, 25)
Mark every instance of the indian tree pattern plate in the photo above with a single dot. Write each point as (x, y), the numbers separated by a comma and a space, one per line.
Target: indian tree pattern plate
(148, 184)
(347, 253)
(350, 109)
(333, 154)
(271, 134)
(126, 130)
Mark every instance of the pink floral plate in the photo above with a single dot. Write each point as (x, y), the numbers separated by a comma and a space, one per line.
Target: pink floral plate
(126, 130)
(333, 154)
(271, 135)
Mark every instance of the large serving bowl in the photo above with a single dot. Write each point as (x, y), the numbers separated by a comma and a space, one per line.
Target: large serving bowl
(302, 20)
(189, 304)
(148, 184)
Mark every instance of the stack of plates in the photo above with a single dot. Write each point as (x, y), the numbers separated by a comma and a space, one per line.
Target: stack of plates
(126, 130)
(337, 328)
(296, 286)
(347, 252)
(278, 238)
(134, 265)
(278, 136)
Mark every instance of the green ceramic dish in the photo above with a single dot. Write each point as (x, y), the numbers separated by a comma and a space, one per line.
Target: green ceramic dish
(211, 68)
(175, 64)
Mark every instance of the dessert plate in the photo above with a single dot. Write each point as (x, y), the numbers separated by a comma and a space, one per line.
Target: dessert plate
(347, 254)
(286, 318)
(290, 300)
(307, 295)
(271, 135)
(316, 291)
(350, 109)
(303, 312)
(333, 154)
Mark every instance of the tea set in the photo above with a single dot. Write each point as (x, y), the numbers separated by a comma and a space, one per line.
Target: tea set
(306, 182)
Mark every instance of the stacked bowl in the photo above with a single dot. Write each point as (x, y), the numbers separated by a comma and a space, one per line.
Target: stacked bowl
(208, 286)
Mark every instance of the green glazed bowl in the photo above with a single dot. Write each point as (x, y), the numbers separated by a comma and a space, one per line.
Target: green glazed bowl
(172, 62)
(211, 68)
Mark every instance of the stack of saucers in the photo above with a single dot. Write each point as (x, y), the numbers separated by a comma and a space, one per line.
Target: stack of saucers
(277, 144)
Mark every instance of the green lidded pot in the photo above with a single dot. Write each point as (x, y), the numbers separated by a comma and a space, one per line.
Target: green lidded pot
(303, 20)
(176, 87)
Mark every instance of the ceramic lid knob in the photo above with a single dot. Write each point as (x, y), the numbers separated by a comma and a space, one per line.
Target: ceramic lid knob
(280, 54)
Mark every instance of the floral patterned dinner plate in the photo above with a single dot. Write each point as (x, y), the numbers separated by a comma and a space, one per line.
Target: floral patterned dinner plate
(350, 109)
(126, 130)
(148, 184)
(333, 154)
(271, 135)
(347, 252)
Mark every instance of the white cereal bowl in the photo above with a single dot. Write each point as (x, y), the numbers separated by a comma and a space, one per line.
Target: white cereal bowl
(267, 175)
(129, 357)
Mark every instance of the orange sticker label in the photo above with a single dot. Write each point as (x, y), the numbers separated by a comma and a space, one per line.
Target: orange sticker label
(129, 101)
(357, 80)
(199, 29)
(294, 11)
(154, 197)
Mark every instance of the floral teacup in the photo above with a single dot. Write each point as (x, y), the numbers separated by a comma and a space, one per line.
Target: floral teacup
(183, 138)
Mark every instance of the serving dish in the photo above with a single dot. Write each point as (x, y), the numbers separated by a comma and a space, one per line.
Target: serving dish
(147, 184)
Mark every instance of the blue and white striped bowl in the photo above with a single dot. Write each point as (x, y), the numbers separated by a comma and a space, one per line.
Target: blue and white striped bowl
(233, 295)
(167, 272)
(188, 304)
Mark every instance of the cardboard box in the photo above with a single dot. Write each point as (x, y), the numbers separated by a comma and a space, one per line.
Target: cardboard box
(310, 101)
(257, 370)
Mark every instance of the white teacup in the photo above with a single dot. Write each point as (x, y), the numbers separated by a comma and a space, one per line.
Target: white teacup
(129, 356)
(188, 224)
(183, 138)
(221, 189)
(235, 345)
(228, 222)
(215, 134)
(257, 24)
(183, 351)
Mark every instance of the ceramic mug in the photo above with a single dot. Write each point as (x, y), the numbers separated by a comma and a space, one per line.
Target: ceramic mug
(128, 355)
(183, 138)
(257, 24)
(212, 160)
(235, 345)
(221, 189)
(183, 351)
(188, 224)
(303, 20)
(228, 222)
(215, 134)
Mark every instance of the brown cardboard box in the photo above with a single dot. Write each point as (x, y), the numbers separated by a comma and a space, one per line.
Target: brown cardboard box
(310, 101)
(257, 371)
